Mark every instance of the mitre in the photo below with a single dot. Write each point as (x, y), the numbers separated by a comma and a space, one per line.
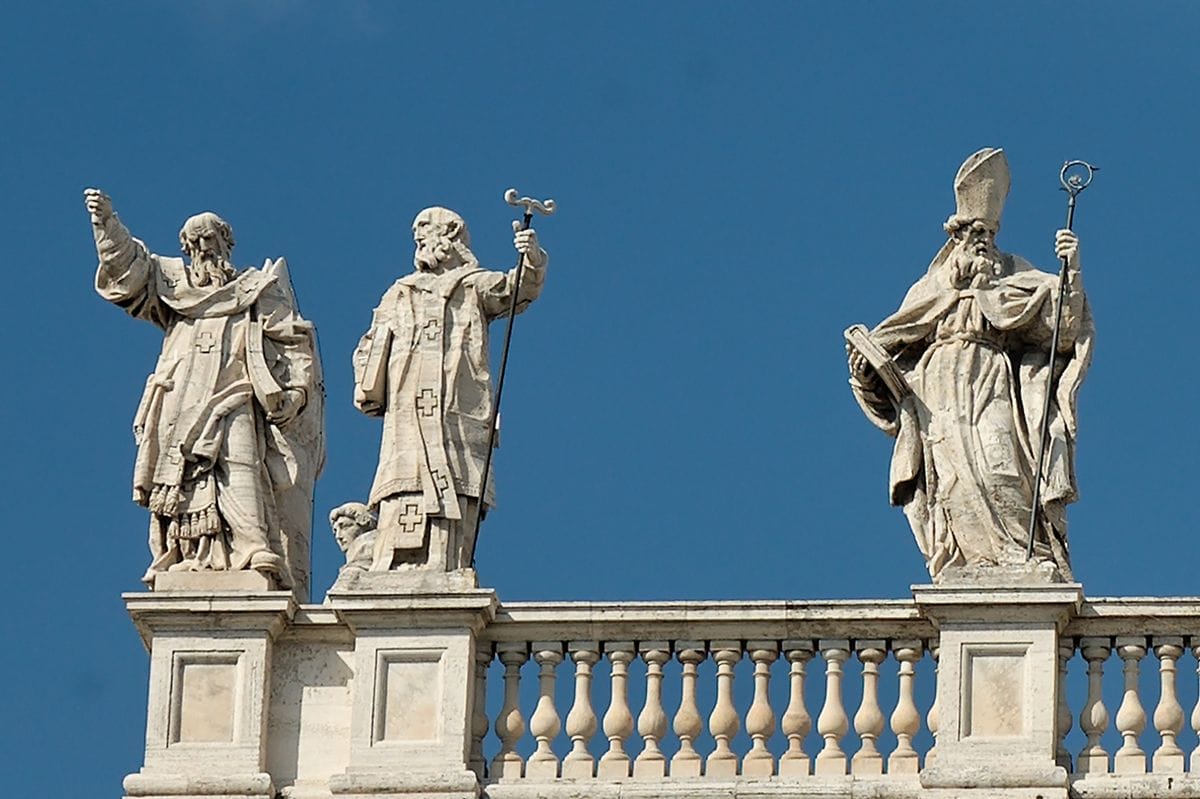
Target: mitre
(981, 186)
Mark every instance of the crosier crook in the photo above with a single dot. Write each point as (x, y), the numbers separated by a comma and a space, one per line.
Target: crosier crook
(1072, 184)
(529, 205)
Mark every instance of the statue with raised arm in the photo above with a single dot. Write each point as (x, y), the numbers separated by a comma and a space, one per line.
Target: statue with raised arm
(230, 428)
(958, 376)
(423, 367)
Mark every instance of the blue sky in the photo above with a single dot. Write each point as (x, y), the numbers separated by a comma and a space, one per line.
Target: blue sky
(736, 185)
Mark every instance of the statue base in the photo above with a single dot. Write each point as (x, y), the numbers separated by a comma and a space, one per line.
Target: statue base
(214, 581)
(405, 581)
(1005, 574)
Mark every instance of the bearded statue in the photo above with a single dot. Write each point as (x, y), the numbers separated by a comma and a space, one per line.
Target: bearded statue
(423, 367)
(960, 382)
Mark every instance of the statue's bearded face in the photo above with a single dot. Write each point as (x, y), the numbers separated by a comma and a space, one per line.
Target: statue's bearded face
(975, 254)
(209, 253)
(434, 232)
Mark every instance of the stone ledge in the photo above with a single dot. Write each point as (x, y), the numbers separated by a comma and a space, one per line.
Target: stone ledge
(150, 785)
(1137, 786)
(740, 620)
(374, 784)
(158, 612)
(465, 610)
(847, 787)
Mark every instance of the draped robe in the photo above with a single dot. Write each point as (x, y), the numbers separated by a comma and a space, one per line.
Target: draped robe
(423, 366)
(210, 467)
(976, 358)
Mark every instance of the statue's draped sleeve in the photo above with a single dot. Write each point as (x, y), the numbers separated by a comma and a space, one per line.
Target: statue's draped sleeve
(127, 274)
(495, 289)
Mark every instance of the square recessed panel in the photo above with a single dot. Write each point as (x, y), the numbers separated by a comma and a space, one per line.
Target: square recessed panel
(205, 697)
(408, 696)
(994, 692)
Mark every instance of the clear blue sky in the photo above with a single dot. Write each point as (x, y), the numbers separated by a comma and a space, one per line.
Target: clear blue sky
(736, 185)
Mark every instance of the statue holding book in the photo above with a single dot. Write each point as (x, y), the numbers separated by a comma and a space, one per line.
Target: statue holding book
(958, 376)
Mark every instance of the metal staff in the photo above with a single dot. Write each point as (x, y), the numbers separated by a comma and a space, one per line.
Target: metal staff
(1072, 184)
(529, 205)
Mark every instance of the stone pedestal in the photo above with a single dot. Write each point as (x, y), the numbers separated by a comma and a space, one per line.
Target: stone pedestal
(998, 683)
(210, 664)
(413, 693)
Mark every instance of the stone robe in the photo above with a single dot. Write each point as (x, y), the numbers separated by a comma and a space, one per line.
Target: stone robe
(966, 439)
(222, 483)
(423, 366)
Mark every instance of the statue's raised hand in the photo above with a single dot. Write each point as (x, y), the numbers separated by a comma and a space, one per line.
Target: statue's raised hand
(99, 205)
(526, 242)
(1066, 247)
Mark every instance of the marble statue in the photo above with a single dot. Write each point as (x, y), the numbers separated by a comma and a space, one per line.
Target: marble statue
(423, 367)
(962, 384)
(230, 428)
(354, 529)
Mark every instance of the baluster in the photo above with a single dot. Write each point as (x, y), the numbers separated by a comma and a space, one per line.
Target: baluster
(868, 721)
(723, 722)
(1093, 758)
(796, 721)
(652, 721)
(618, 721)
(581, 721)
(510, 725)
(1168, 716)
(1194, 763)
(687, 762)
(479, 719)
(1131, 717)
(545, 724)
(906, 719)
(1066, 651)
(931, 719)
(832, 722)
(760, 720)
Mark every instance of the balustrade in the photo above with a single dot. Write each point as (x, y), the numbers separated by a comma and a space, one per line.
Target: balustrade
(654, 714)
(644, 738)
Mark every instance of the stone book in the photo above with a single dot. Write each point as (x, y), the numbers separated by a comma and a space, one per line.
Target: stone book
(858, 337)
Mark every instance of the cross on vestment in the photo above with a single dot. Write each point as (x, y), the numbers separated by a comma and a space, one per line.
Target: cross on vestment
(205, 341)
(440, 482)
(411, 518)
(432, 329)
(427, 402)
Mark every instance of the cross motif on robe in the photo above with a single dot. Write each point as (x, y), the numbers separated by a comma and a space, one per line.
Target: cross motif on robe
(440, 482)
(205, 341)
(411, 518)
(427, 402)
(433, 329)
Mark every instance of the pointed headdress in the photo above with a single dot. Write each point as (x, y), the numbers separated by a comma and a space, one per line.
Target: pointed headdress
(981, 186)
(980, 189)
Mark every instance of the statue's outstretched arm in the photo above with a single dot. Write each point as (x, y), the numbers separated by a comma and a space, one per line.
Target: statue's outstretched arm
(124, 270)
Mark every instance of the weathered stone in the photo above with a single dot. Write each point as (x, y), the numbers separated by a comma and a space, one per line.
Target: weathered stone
(230, 428)
(958, 375)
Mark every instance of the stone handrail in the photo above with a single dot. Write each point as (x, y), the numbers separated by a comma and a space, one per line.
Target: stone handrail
(780, 639)
(960, 691)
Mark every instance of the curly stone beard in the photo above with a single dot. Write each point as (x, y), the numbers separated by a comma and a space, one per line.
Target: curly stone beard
(969, 262)
(433, 253)
(210, 269)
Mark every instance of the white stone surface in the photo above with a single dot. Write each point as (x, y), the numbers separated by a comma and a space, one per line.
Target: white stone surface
(423, 367)
(332, 685)
(230, 428)
(412, 699)
(971, 342)
(210, 666)
(997, 691)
